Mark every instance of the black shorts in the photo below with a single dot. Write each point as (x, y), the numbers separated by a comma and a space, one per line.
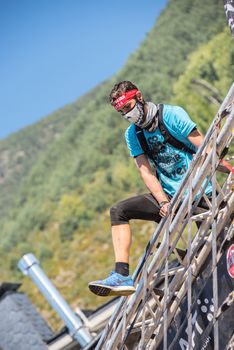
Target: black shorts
(143, 207)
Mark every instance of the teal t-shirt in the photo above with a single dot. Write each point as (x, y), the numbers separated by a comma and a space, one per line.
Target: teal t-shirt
(171, 163)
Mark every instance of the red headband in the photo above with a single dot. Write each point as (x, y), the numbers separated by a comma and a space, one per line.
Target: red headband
(120, 101)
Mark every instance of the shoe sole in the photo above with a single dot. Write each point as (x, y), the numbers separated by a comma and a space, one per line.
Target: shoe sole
(104, 291)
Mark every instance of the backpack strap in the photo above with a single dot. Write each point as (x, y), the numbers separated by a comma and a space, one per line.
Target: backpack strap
(143, 143)
(168, 137)
(166, 134)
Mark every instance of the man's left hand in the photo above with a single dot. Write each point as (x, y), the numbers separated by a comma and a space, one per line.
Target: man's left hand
(164, 209)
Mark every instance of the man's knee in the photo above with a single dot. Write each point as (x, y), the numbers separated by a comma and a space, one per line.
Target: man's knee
(118, 215)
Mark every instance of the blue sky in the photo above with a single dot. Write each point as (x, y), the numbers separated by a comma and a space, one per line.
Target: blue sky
(53, 51)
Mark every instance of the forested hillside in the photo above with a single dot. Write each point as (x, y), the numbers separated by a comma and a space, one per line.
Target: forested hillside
(59, 177)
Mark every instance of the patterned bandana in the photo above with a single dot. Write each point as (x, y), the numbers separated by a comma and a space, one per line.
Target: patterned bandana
(137, 116)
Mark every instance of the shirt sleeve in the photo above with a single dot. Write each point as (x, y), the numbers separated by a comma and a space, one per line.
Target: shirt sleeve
(179, 121)
(132, 142)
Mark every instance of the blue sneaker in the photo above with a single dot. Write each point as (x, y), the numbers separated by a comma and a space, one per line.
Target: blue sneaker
(115, 284)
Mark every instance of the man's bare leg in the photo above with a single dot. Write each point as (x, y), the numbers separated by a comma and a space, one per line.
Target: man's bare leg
(122, 239)
(116, 285)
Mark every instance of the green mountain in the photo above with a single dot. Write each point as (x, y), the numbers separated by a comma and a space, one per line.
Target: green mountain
(59, 177)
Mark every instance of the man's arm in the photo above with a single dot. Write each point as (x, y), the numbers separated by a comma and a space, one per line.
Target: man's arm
(152, 182)
(196, 138)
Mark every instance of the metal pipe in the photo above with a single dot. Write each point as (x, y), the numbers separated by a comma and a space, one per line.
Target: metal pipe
(30, 266)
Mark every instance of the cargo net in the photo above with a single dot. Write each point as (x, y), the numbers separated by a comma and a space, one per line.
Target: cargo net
(184, 297)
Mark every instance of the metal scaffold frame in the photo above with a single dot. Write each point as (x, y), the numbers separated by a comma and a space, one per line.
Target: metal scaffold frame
(149, 311)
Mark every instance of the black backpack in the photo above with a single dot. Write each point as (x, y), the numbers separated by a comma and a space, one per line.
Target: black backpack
(166, 134)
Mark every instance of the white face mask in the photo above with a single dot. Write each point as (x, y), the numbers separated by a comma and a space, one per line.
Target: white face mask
(136, 115)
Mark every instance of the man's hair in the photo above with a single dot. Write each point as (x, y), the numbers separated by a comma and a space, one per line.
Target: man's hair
(120, 88)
